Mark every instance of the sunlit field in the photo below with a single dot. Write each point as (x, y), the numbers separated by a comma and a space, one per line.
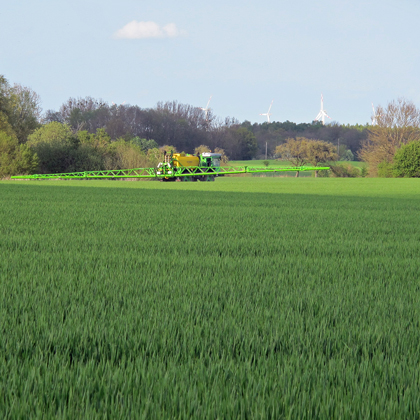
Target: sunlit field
(239, 298)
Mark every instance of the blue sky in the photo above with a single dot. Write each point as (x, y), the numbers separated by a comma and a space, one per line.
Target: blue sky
(243, 53)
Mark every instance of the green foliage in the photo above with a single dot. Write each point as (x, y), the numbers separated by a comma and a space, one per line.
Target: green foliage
(323, 173)
(385, 170)
(59, 150)
(56, 148)
(123, 155)
(318, 152)
(51, 133)
(407, 161)
(15, 159)
(344, 171)
(4, 88)
(112, 306)
(239, 143)
(364, 171)
(347, 155)
(266, 163)
(144, 144)
(24, 111)
(5, 125)
(154, 156)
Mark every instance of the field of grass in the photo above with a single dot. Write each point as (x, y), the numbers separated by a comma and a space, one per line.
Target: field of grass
(275, 162)
(240, 298)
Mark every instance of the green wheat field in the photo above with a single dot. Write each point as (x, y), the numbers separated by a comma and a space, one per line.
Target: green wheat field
(243, 298)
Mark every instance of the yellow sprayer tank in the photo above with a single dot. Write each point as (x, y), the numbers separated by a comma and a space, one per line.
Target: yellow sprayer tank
(183, 159)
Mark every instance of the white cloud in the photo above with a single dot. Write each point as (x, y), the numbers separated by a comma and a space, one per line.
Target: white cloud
(142, 30)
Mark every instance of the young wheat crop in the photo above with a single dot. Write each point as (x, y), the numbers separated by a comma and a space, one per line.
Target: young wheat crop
(135, 301)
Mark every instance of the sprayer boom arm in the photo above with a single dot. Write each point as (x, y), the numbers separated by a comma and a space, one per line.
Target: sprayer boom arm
(171, 173)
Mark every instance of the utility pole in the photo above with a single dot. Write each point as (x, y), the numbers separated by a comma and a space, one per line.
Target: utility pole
(265, 150)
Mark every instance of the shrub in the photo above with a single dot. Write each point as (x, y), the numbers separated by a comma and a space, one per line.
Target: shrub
(407, 161)
(16, 159)
(385, 170)
(344, 171)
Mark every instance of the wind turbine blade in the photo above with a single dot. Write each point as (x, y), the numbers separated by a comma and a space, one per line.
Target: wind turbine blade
(319, 116)
(208, 103)
(270, 106)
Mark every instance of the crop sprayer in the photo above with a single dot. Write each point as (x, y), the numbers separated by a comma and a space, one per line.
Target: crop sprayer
(176, 167)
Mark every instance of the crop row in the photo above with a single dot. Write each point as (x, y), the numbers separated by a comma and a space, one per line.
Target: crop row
(157, 303)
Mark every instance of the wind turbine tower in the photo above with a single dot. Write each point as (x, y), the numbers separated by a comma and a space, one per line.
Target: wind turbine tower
(268, 112)
(322, 113)
(374, 116)
(206, 109)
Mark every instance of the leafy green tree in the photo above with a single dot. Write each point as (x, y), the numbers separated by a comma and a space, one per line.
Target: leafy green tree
(5, 125)
(50, 133)
(15, 158)
(154, 156)
(125, 155)
(144, 144)
(4, 94)
(347, 155)
(407, 161)
(24, 111)
(239, 143)
(56, 148)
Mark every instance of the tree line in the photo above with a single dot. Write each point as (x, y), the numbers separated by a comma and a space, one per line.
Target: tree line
(90, 134)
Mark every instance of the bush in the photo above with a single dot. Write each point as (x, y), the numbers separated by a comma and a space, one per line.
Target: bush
(407, 161)
(324, 173)
(385, 170)
(125, 155)
(345, 171)
(15, 158)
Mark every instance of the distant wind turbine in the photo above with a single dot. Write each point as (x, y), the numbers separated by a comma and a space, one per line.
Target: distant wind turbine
(322, 113)
(374, 116)
(113, 103)
(268, 112)
(206, 109)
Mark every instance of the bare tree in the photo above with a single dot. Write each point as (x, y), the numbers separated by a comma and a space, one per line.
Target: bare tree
(318, 151)
(294, 151)
(301, 151)
(201, 149)
(79, 112)
(397, 124)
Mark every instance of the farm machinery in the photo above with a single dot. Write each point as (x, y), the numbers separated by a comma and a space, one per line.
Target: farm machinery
(176, 167)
